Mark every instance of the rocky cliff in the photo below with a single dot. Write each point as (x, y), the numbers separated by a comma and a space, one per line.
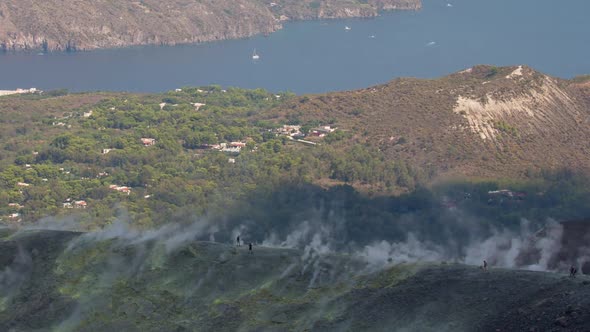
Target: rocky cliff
(85, 25)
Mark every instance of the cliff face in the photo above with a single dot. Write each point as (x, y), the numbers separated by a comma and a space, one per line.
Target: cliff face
(86, 25)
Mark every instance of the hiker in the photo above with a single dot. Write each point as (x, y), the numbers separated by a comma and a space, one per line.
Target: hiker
(573, 271)
(238, 240)
(485, 265)
(250, 247)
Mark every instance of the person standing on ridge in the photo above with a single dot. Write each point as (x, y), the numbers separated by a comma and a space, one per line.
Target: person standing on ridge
(573, 271)
(238, 240)
(485, 265)
(250, 247)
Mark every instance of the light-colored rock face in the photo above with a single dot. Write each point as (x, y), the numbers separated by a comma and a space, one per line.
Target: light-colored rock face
(539, 110)
(85, 25)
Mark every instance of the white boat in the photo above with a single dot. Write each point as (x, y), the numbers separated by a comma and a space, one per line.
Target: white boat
(347, 28)
(255, 56)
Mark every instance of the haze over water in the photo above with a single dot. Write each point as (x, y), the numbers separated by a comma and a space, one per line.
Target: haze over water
(319, 56)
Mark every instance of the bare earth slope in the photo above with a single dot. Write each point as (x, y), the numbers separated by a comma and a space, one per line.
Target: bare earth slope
(85, 25)
(484, 121)
(95, 282)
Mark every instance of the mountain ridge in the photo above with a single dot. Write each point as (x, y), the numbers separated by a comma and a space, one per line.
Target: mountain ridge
(75, 281)
(482, 121)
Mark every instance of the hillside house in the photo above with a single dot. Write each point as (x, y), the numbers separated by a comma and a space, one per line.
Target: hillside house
(288, 130)
(237, 144)
(148, 141)
(18, 91)
(321, 131)
(121, 189)
(87, 114)
(232, 149)
(105, 151)
(80, 204)
(23, 184)
(198, 106)
(505, 194)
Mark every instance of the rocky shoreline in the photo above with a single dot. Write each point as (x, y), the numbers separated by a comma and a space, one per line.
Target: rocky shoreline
(26, 26)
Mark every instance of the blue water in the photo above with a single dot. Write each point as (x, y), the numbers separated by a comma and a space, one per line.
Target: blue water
(318, 56)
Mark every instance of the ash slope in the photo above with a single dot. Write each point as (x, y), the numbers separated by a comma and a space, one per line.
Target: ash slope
(72, 281)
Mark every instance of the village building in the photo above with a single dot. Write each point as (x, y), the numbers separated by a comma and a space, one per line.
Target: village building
(505, 194)
(121, 189)
(148, 141)
(238, 144)
(321, 131)
(18, 91)
(80, 204)
(198, 106)
(232, 149)
(289, 130)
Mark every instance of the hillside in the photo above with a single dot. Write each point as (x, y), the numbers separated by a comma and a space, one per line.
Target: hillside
(482, 122)
(166, 281)
(86, 25)
(447, 144)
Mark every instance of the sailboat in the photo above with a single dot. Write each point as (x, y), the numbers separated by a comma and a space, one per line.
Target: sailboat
(255, 56)
(347, 28)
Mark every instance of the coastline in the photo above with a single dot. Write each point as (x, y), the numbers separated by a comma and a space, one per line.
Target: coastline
(18, 92)
(27, 41)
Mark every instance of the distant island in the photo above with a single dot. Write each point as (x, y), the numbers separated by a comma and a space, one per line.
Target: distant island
(28, 25)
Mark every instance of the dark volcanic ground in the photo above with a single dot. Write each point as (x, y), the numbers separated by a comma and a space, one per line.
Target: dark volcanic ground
(71, 282)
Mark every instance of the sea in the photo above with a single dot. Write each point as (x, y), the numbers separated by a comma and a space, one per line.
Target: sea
(327, 55)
